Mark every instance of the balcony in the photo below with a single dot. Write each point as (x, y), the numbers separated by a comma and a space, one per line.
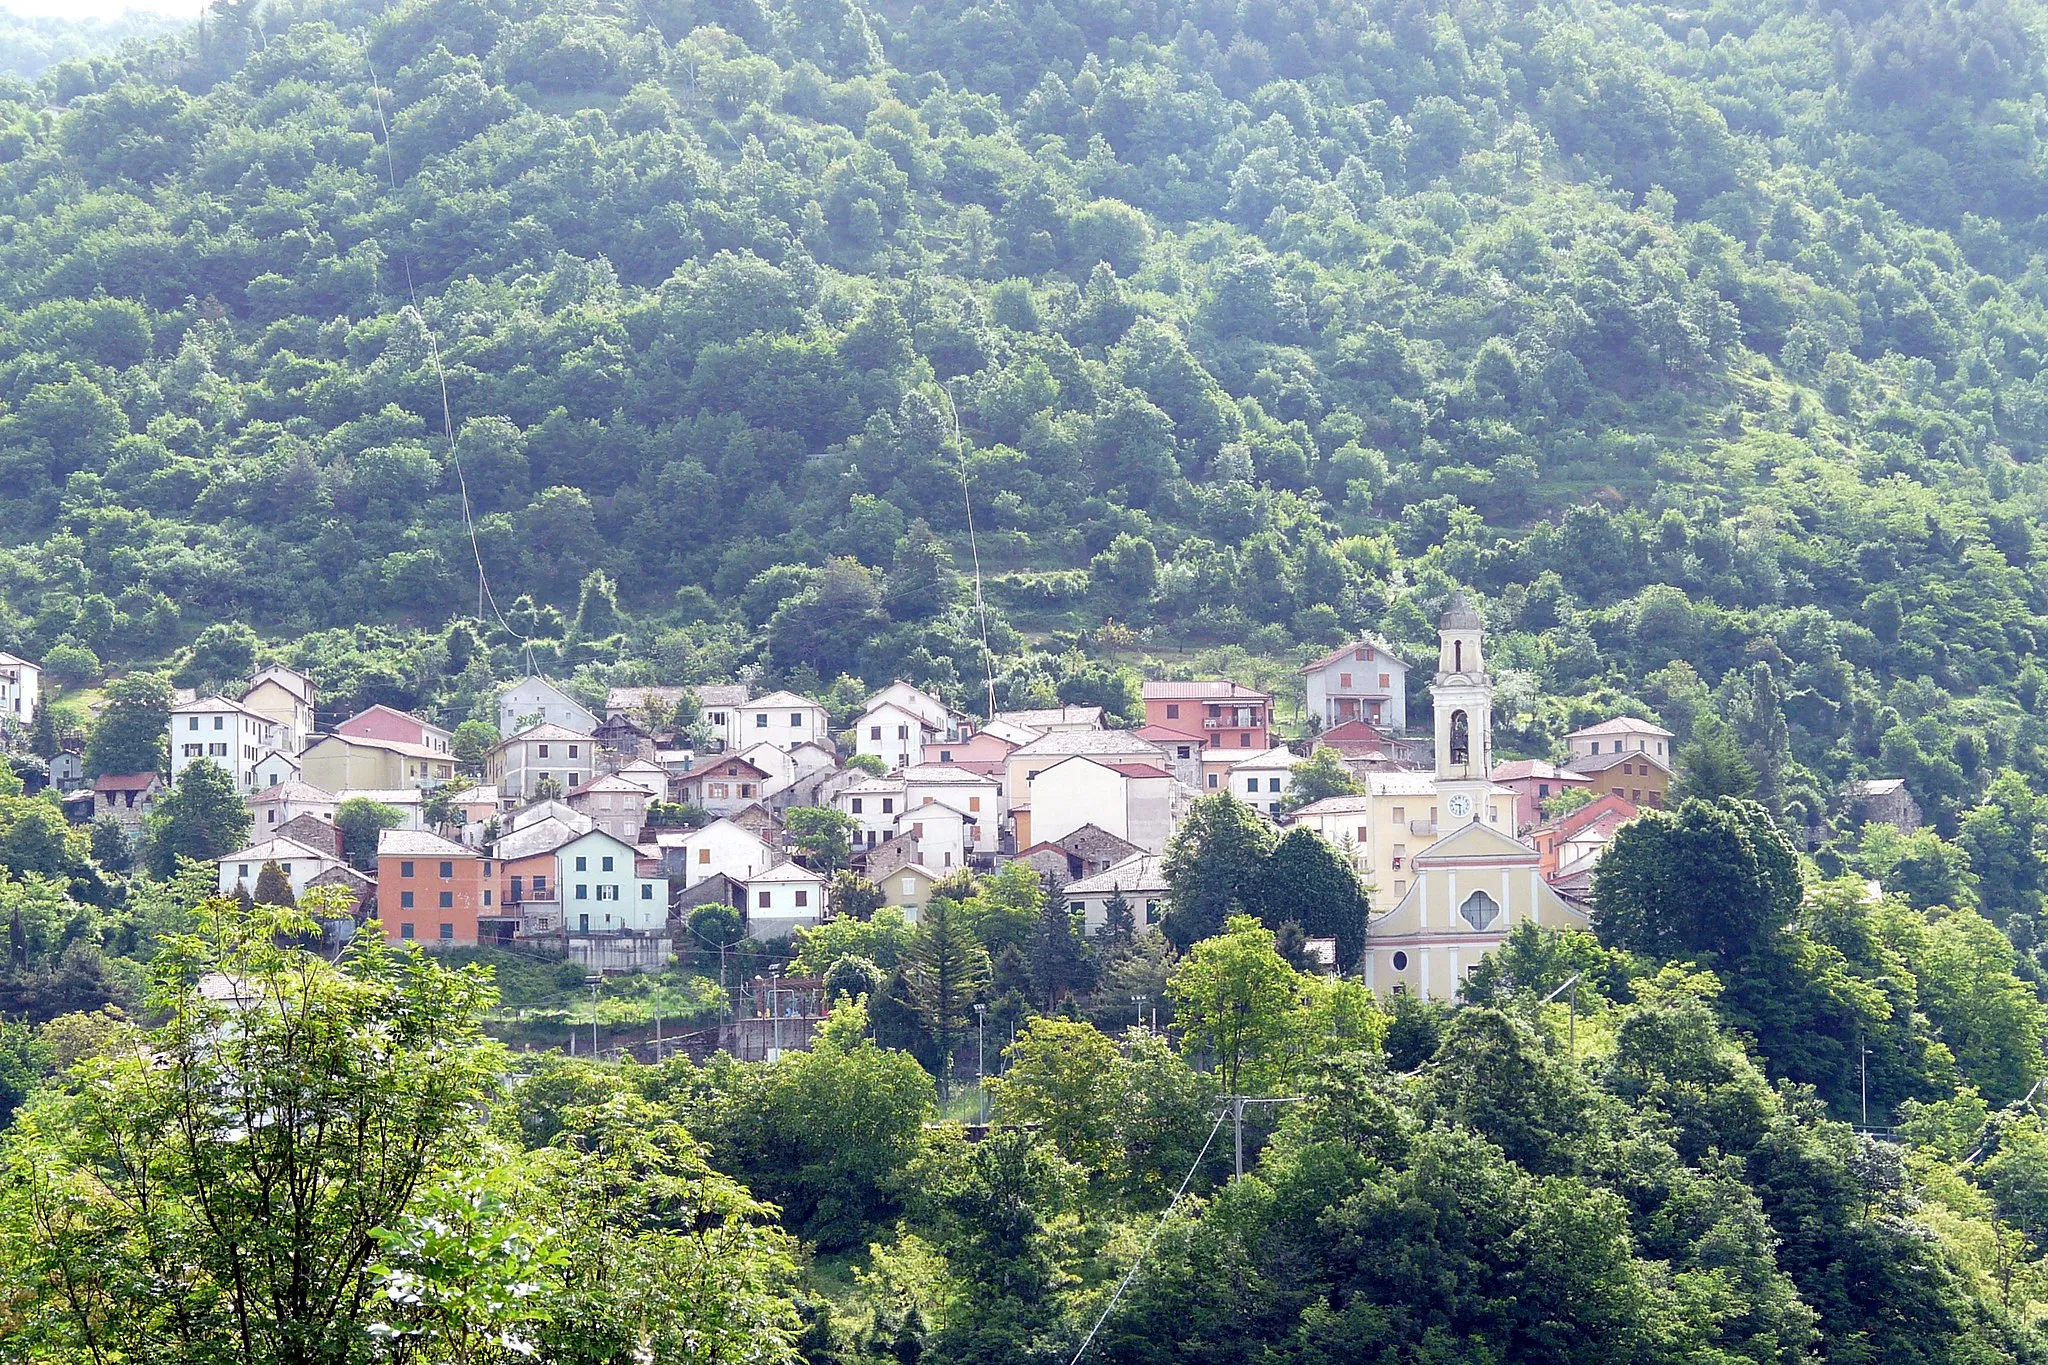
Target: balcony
(1425, 828)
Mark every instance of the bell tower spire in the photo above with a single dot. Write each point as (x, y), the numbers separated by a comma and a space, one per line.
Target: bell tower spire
(1462, 696)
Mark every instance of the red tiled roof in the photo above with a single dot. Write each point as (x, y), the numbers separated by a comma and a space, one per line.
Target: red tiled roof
(1137, 769)
(1211, 689)
(124, 782)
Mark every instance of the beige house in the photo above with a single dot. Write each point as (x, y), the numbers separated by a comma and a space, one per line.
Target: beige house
(286, 696)
(909, 888)
(546, 752)
(339, 763)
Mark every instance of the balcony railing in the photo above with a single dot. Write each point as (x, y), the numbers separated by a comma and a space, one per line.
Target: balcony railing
(1422, 826)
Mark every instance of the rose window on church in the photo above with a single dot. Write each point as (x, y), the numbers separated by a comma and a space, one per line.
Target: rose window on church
(1480, 910)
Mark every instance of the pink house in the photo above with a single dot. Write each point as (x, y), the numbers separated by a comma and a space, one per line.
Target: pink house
(393, 726)
(1533, 782)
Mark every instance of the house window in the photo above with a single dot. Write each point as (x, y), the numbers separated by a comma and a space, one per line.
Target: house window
(543, 751)
(573, 750)
(1542, 789)
(973, 804)
(192, 724)
(607, 893)
(1272, 784)
(447, 900)
(487, 898)
(888, 805)
(540, 885)
(761, 720)
(447, 870)
(1384, 680)
(910, 886)
(241, 869)
(1212, 779)
(796, 719)
(217, 723)
(647, 891)
(447, 932)
(903, 732)
(945, 755)
(405, 932)
(1185, 752)
(405, 869)
(1077, 907)
(605, 863)
(1400, 962)
(582, 891)
(1363, 834)
(874, 732)
(582, 863)
(763, 902)
(1173, 710)
(803, 898)
(1251, 784)
(856, 805)
(703, 856)
(1400, 814)
(1344, 680)
(405, 900)
(1244, 741)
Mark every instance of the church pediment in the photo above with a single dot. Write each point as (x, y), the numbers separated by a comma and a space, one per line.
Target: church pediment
(1477, 842)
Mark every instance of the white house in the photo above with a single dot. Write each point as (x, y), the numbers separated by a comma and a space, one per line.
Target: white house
(783, 898)
(1139, 879)
(1138, 802)
(300, 864)
(1045, 720)
(778, 764)
(1025, 763)
(232, 736)
(405, 800)
(602, 891)
(287, 801)
(900, 719)
(783, 719)
(616, 804)
(1364, 680)
(546, 752)
(874, 803)
(976, 795)
(814, 765)
(940, 833)
(533, 700)
(21, 690)
(1264, 780)
(276, 768)
(721, 847)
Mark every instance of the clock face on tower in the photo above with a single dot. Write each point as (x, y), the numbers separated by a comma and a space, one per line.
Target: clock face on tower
(1460, 806)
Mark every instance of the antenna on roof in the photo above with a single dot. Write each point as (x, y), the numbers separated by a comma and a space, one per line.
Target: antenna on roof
(988, 657)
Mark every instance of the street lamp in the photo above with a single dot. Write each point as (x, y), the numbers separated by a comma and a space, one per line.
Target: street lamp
(1138, 1000)
(980, 1071)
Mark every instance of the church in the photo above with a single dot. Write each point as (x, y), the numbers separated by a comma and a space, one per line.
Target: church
(1473, 881)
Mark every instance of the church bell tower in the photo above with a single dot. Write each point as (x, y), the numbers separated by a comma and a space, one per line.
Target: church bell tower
(1462, 696)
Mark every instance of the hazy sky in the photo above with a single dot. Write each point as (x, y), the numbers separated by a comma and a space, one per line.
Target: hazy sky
(102, 9)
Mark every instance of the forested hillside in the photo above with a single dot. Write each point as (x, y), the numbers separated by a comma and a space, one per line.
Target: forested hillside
(1705, 343)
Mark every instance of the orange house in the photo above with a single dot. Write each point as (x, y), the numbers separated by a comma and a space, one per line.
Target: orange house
(434, 892)
(1227, 714)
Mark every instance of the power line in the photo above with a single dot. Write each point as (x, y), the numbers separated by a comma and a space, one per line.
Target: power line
(484, 595)
(973, 547)
(1146, 1250)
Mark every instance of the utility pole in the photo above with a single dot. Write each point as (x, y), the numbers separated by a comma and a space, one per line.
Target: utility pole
(595, 979)
(980, 1066)
(1235, 1105)
(1863, 1075)
(1570, 983)
(774, 1010)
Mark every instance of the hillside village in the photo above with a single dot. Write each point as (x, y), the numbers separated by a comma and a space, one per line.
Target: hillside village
(597, 831)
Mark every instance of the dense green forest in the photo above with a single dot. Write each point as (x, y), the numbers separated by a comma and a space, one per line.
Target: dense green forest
(1704, 342)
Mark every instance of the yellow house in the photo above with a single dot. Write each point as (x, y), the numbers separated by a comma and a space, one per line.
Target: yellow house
(908, 887)
(340, 763)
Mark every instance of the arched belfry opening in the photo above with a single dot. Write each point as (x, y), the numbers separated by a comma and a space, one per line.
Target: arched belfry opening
(1461, 737)
(1457, 656)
